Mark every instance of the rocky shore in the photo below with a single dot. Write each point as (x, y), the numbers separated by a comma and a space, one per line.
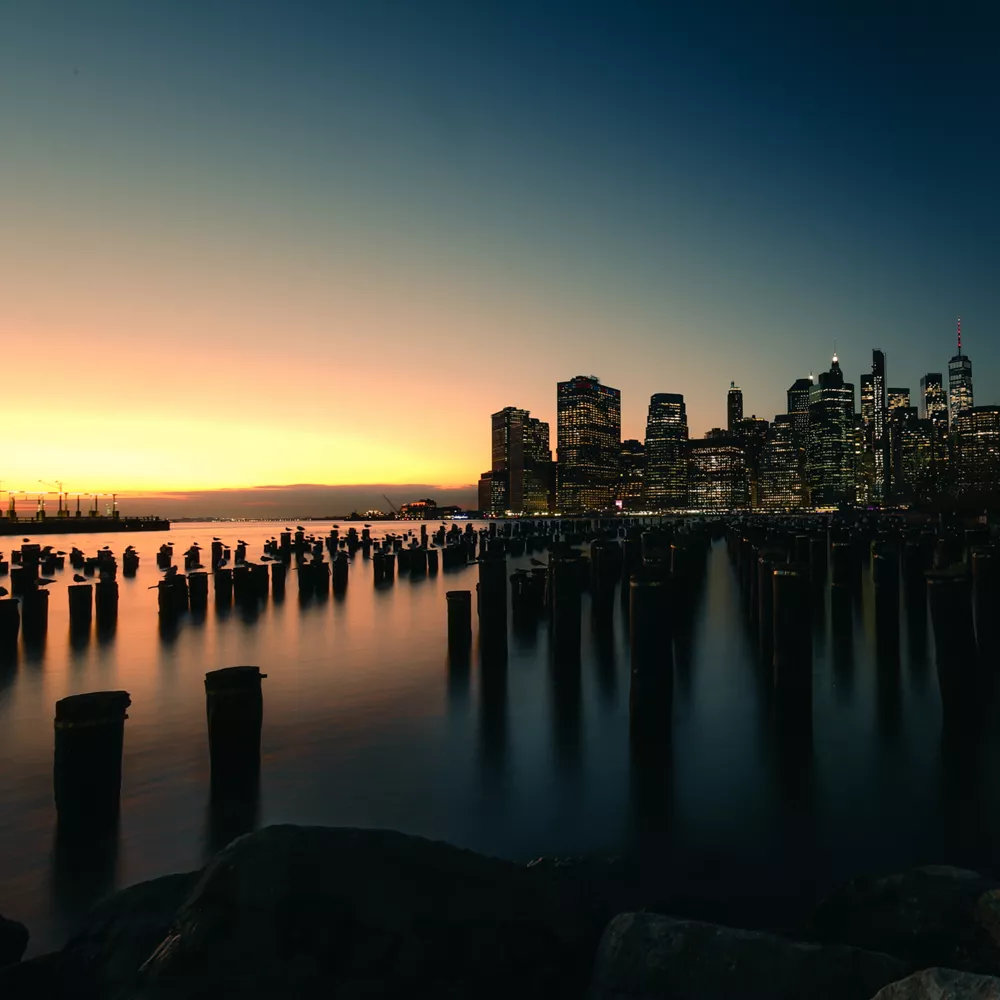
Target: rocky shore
(312, 911)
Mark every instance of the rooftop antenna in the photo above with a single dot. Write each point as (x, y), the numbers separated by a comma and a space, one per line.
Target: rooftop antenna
(959, 335)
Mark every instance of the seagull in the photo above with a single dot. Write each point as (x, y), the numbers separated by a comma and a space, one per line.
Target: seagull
(537, 562)
(44, 581)
(79, 579)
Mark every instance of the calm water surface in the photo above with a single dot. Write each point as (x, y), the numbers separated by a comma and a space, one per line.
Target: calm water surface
(364, 724)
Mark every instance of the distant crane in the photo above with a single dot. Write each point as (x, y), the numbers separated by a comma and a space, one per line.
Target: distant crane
(392, 506)
(59, 486)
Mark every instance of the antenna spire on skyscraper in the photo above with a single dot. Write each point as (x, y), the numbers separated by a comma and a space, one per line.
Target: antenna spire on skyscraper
(959, 334)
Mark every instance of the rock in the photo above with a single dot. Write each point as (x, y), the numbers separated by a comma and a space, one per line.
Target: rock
(13, 941)
(120, 933)
(643, 956)
(310, 911)
(936, 915)
(942, 984)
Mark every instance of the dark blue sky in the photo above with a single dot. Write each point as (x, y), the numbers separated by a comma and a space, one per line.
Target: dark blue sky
(668, 196)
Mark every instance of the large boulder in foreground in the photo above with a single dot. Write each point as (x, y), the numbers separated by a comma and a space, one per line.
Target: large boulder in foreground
(932, 916)
(942, 984)
(312, 911)
(13, 941)
(643, 956)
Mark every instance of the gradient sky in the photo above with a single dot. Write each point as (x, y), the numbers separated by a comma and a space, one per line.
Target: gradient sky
(248, 243)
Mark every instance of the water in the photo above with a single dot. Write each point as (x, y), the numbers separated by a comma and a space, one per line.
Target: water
(364, 724)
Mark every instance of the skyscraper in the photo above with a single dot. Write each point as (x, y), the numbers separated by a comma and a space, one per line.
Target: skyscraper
(734, 406)
(717, 477)
(666, 461)
(831, 448)
(631, 475)
(589, 441)
(798, 408)
(977, 446)
(933, 398)
(897, 398)
(868, 403)
(959, 381)
(780, 478)
(521, 464)
(880, 429)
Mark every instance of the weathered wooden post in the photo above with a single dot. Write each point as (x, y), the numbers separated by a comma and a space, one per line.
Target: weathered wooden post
(87, 772)
(651, 681)
(35, 614)
(278, 580)
(459, 619)
(80, 606)
(493, 606)
(106, 603)
(223, 587)
(950, 600)
(986, 588)
(792, 648)
(198, 590)
(10, 626)
(566, 607)
(235, 709)
(340, 572)
(885, 572)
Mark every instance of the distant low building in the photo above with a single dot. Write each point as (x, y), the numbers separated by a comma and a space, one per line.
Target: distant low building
(419, 510)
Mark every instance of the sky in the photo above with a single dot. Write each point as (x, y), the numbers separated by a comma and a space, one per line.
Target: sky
(249, 244)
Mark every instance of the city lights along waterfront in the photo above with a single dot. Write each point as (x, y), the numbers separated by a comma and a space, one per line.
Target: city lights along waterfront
(368, 721)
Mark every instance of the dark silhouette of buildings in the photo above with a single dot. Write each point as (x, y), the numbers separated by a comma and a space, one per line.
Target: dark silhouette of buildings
(734, 407)
(880, 430)
(589, 442)
(631, 475)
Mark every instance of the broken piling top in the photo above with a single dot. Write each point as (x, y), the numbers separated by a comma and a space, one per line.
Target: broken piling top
(96, 708)
(233, 678)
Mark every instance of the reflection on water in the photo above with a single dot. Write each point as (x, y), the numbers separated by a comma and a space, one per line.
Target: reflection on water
(519, 749)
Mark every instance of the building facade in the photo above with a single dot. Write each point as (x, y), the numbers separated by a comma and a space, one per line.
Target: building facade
(798, 408)
(630, 492)
(977, 450)
(520, 479)
(666, 456)
(960, 397)
(589, 443)
(880, 431)
(781, 479)
(734, 407)
(717, 475)
(831, 451)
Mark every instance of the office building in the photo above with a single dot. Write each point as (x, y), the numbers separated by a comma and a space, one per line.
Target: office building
(977, 450)
(867, 387)
(589, 442)
(666, 460)
(933, 400)
(751, 432)
(629, 493)
(960, 396)
(879, 430)
(780, 478)
(520, 480)
(734, 407)
(897, 398)
(717, 478)
(798, 408)
(833, 439)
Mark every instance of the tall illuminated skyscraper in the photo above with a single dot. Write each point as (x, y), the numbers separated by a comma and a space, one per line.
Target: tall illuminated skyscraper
(897, 398)
(977, 446)
(880, 429)
(589, 423)
(666, 457)
(521, 471)
(959, 381)
(934, 401)
(831, 449)
(717, 475)
(734, 407)
(798, 408)
(631, 475)
(780, 484)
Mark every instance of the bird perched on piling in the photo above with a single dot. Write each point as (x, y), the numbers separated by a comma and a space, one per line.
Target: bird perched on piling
(79, 579)
(3, 591)
(43, 581)
(537, 562)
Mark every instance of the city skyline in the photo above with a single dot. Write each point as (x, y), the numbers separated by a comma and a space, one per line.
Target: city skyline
(383, 202)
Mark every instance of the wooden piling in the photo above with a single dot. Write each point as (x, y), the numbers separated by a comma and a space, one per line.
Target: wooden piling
(87, 771)
(235, 709)
(80, 606)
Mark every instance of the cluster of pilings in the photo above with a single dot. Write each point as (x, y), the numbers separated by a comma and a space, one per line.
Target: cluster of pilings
(89, 741)
(660, 573)
(786, 567)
